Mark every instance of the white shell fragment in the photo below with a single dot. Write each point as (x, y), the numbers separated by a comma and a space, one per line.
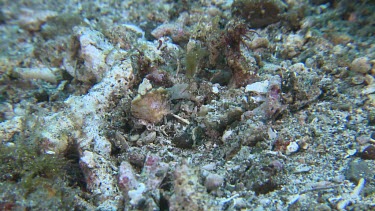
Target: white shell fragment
(144, 87)
(292, 148)
(215, 90)
(46, 74)
(258, 87)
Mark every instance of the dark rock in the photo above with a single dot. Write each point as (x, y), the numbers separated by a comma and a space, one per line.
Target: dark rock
(258, 13)
(358, 169)
(368, 153)
(183, 141)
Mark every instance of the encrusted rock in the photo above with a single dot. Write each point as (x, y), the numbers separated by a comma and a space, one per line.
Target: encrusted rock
(155, 171)
(152, 106)
(188, 193)
(293, 45)
(127, 179)
(11, 127)
(93, 49)
(302, 86)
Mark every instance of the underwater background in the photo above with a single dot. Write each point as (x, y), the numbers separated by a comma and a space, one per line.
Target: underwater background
(187, 105)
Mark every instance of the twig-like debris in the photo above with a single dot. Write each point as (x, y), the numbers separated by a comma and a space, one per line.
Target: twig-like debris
(319, 188)
(353, 196)
(181, 119)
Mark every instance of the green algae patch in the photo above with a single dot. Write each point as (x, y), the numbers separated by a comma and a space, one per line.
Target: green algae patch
(35, 180)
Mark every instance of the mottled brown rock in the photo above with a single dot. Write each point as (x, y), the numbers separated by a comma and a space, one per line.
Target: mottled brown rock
(368, 153)
(152, 106)
(258, 13)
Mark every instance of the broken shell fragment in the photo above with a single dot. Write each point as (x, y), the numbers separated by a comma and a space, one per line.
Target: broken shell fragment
(152, 106)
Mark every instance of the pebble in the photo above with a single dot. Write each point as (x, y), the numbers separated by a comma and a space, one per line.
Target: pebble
(358, 169)
(369, 79)
(209, 167)
(215, 90)
(338, 179)
(368, 153)
(292, 148)
(149, 138)
(351, 152)
(362, 140)
(183, 141)
(369, 89)
(361, 65)
(302, 169)
(298, 67)
(259, 42)
(213, 181)
(144, 87)
(258, 87)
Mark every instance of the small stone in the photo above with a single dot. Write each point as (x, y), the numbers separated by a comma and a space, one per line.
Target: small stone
(304, 145)
(362, 140)
(292, 148)
(338, 50)
(209, 167)
(351, 152)
(368, 153)
(372, 135)
(213, 181)
(361, 65)
(213, 11)
(338, 179)
(259, 42)
(277, 165)
(298, 67)
(358, 169)
(183, 141)
(149, 138)
(302, 169)
(226, 135)
(127, 178)
(134, 138)
(369, 89)
(358, 79)
(272, 135)
(144, 87)
(293, 45)
(215, 90)
(258, 87)
(239, 203)
(369, 79)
